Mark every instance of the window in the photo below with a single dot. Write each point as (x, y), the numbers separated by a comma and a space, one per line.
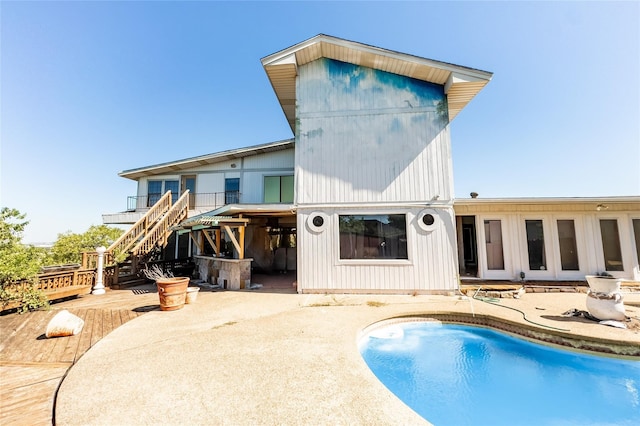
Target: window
(568, 246)
(636, 234)
(535, 245)
(611, 245)
(493, 241)
(174, 187)
(232, 190)
(154, 192)
(278, 189)
(157, 188)
(373, 236)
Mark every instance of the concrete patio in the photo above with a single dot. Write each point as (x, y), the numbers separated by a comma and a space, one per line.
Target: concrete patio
(258, 357)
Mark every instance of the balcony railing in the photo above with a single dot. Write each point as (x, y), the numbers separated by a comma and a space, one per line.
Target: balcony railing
(197, 201)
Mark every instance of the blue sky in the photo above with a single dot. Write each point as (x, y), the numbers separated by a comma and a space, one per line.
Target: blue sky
(89, 89)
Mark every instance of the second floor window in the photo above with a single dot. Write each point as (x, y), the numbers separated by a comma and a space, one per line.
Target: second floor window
(157, 188)
(278, 189)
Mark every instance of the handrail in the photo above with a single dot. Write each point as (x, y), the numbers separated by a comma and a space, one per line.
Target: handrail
(90, 259)
(198, 200)
(141, 227)
(161, 229)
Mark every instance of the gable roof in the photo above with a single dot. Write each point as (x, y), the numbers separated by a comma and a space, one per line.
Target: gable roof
(460, 83)
(203, 160)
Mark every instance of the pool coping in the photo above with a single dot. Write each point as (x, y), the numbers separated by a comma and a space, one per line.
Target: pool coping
(536, 333)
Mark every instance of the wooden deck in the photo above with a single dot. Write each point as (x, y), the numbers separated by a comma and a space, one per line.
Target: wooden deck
(32, 366)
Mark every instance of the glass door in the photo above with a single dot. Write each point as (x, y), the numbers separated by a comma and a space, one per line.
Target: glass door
(189, 183)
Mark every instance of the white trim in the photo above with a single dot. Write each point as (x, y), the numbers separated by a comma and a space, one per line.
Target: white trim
(371, 262)
(420, 220)
(281, 57)
(481, 238)
(581, 246)
(548, 272)
(316, 229)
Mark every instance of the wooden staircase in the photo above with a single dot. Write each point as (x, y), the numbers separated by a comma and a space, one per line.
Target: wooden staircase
(126, 256)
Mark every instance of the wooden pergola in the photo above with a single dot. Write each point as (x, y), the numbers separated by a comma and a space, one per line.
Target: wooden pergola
(210, 227)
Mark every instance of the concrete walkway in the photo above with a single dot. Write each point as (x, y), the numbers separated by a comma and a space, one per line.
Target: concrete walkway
(258, 358)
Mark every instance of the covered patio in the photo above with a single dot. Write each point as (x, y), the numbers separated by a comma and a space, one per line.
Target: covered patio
(244, 246)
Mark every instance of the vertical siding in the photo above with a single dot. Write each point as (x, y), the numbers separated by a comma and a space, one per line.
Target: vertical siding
(271, 160)
(369, 136)
(251, 171)
(431, 265)
(588, 243)
(366, 137)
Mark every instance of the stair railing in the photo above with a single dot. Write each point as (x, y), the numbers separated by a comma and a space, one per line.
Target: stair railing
(132, 236)
(161, 231)
(142, 226)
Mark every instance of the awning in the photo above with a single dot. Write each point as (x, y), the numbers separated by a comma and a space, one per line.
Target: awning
(207, 220)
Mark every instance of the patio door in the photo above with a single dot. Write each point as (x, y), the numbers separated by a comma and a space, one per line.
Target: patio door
(539, 259)
(188, 182)
(467, 246)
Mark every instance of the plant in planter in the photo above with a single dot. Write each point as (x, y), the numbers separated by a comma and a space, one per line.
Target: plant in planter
(172, 291)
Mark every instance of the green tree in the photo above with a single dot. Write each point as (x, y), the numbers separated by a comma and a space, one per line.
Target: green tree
(69, 247)
(18, 262)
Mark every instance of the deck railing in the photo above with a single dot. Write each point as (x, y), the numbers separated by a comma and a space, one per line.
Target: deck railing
(197, 200)
(57, 283)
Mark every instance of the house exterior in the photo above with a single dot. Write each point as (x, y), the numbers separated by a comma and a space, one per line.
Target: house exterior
(362, 198)
(557, 239)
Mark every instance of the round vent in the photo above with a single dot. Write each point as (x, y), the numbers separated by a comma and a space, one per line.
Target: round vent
(428, 220)
(317, 222)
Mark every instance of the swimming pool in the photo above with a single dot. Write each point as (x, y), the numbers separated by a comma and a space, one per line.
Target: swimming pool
(463, 375)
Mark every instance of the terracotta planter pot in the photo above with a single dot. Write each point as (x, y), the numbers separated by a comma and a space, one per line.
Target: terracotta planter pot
(604, 300)
(172, 292)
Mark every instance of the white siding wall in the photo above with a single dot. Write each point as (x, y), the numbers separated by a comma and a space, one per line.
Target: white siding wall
(431, 266)
(273, 160)
(369, 142)
(378, 142)
(251, 171)
(588, 241)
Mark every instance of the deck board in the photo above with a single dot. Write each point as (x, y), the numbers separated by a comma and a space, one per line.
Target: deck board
(32, 366)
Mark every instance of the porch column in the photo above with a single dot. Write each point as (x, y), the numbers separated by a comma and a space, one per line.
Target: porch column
(98, 288)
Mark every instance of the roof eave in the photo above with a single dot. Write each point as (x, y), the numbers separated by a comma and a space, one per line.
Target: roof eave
(203, 160)
(461, 83)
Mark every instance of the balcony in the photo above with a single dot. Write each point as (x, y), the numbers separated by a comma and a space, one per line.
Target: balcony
(137, 205)
(197, 201)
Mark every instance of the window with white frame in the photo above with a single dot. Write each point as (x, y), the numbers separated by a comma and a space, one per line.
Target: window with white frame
(493, 244)
(278, 189)
(611, 245)
(535, 245)
(373, 236)
(636, 236)
(568, 245)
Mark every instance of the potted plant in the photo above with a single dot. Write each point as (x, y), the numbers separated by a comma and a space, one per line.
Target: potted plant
(172, 291)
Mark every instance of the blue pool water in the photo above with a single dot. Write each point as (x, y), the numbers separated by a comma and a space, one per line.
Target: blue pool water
(462, 375)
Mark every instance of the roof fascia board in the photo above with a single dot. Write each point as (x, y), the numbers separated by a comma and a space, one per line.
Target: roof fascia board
(459, 77)
(546, 200)
(459, 69)
(208, 159)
